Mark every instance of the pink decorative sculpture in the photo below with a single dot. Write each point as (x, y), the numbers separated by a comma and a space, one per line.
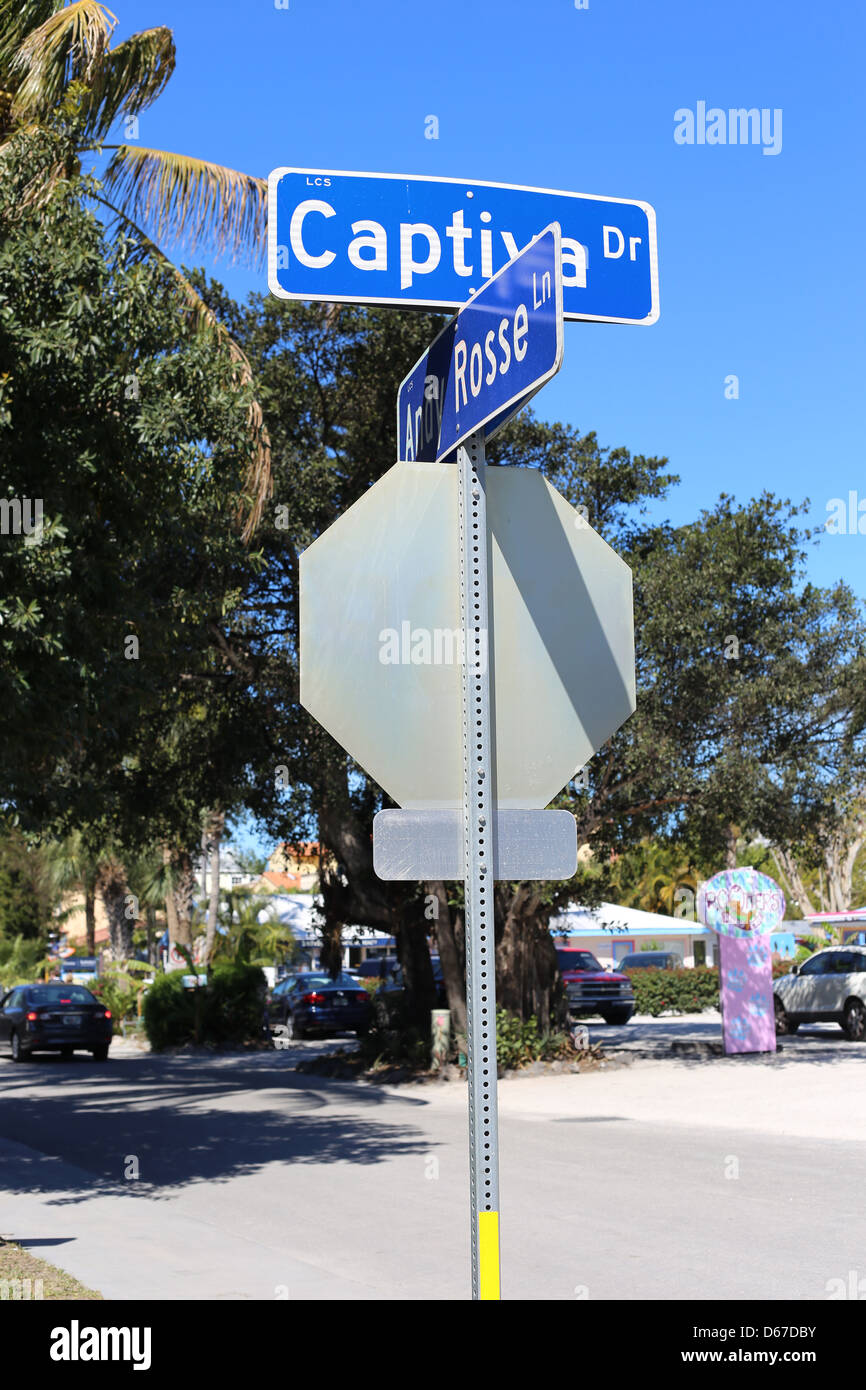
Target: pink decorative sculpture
(744, 907)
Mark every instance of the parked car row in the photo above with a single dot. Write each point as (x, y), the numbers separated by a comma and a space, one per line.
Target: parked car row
(310, 1001)
(828, 987)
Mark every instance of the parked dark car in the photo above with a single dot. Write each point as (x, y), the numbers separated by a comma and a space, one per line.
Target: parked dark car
(378, 968)
(591, 989)
(386, 1002)
(311, 1002)
(54, 1018)
(652, 960)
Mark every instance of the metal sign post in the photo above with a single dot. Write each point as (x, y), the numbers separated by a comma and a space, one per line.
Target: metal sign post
(478, 829)
(389, 648)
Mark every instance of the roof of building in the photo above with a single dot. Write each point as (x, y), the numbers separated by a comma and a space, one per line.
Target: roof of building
(609, 919)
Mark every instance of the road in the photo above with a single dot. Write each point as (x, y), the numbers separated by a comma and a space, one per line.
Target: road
(655, 1037)
(236, 1177)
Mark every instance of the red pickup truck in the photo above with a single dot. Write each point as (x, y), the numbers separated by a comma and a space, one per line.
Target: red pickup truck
(593, 990)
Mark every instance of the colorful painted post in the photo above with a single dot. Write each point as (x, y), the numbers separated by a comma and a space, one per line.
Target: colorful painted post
(744, 907)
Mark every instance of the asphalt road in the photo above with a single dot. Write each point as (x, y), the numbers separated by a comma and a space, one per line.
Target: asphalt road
(237, 1177)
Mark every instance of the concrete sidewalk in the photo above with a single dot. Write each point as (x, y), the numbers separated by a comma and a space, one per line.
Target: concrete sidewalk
(661, 1179)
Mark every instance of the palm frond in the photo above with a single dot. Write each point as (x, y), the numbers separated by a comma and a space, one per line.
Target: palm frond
(18, 18)
(258, 481)
(191, 201)
(69, 47)
(129, 78)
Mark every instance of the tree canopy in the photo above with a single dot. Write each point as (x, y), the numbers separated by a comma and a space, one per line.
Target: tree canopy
(126, 425)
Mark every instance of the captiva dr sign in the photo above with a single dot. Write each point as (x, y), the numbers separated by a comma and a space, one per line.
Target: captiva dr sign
(490, 359)
(411, 240)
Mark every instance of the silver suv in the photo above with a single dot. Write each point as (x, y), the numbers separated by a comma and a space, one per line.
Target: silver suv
(829, 987)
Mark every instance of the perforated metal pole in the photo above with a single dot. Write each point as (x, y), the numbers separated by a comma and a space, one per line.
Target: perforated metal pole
(478, 870)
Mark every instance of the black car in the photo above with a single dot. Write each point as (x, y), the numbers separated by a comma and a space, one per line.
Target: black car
(394, 981)
(378, 968)
(54, 1018)
(651, 960)
(311, 1002)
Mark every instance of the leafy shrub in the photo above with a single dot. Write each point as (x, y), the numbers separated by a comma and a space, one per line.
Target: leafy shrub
(119, 988)
(168, 1012)
(391, 1037)
(683, 991)
(227, 1010)
(234, 1000)
(520, 1042)
(21, 961)
(675, 991)
(402, 1045)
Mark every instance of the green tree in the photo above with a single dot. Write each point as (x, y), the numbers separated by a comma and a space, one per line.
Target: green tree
(328, 379)
(251, 932)
(124, 718)
(51, 51)
(71, 864)
(26, 897)
(730, 736)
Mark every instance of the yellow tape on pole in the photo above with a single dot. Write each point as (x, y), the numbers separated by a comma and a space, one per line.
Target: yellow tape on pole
(488, 1254)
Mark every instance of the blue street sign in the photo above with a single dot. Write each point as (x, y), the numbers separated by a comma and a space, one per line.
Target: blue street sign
(490, 359)
(413, 240)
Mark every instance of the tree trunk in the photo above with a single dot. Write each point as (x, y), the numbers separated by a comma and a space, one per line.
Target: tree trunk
(732, 834)
(183, 899)
(214, 837)
(114, 891)
(449, 956)
(170, 908)
(413, 951)
(840, 856)
(150, 928)
(89, 920)
(205, 843)
(331, 955)
(797, 891)
(527, 974)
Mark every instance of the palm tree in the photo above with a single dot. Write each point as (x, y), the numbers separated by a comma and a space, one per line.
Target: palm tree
(252, 932)
(51, 50)
(70, 864)
(73, 863)
(657, 877)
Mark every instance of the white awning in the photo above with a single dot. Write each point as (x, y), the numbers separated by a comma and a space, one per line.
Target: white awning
(302, 914)
(613, 921)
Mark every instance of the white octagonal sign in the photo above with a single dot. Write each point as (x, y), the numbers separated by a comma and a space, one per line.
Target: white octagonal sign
(381, 646)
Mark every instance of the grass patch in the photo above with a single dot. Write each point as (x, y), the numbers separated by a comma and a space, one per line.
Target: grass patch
(23, 1275)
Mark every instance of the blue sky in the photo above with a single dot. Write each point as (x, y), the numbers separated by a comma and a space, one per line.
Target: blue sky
(760, 270)
(759, 260)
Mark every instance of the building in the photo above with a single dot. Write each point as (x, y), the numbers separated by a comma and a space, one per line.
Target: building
(301, 913)
(72, 924)
(612, 932)
(232, 874)
(851, 925)
(295, 868)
